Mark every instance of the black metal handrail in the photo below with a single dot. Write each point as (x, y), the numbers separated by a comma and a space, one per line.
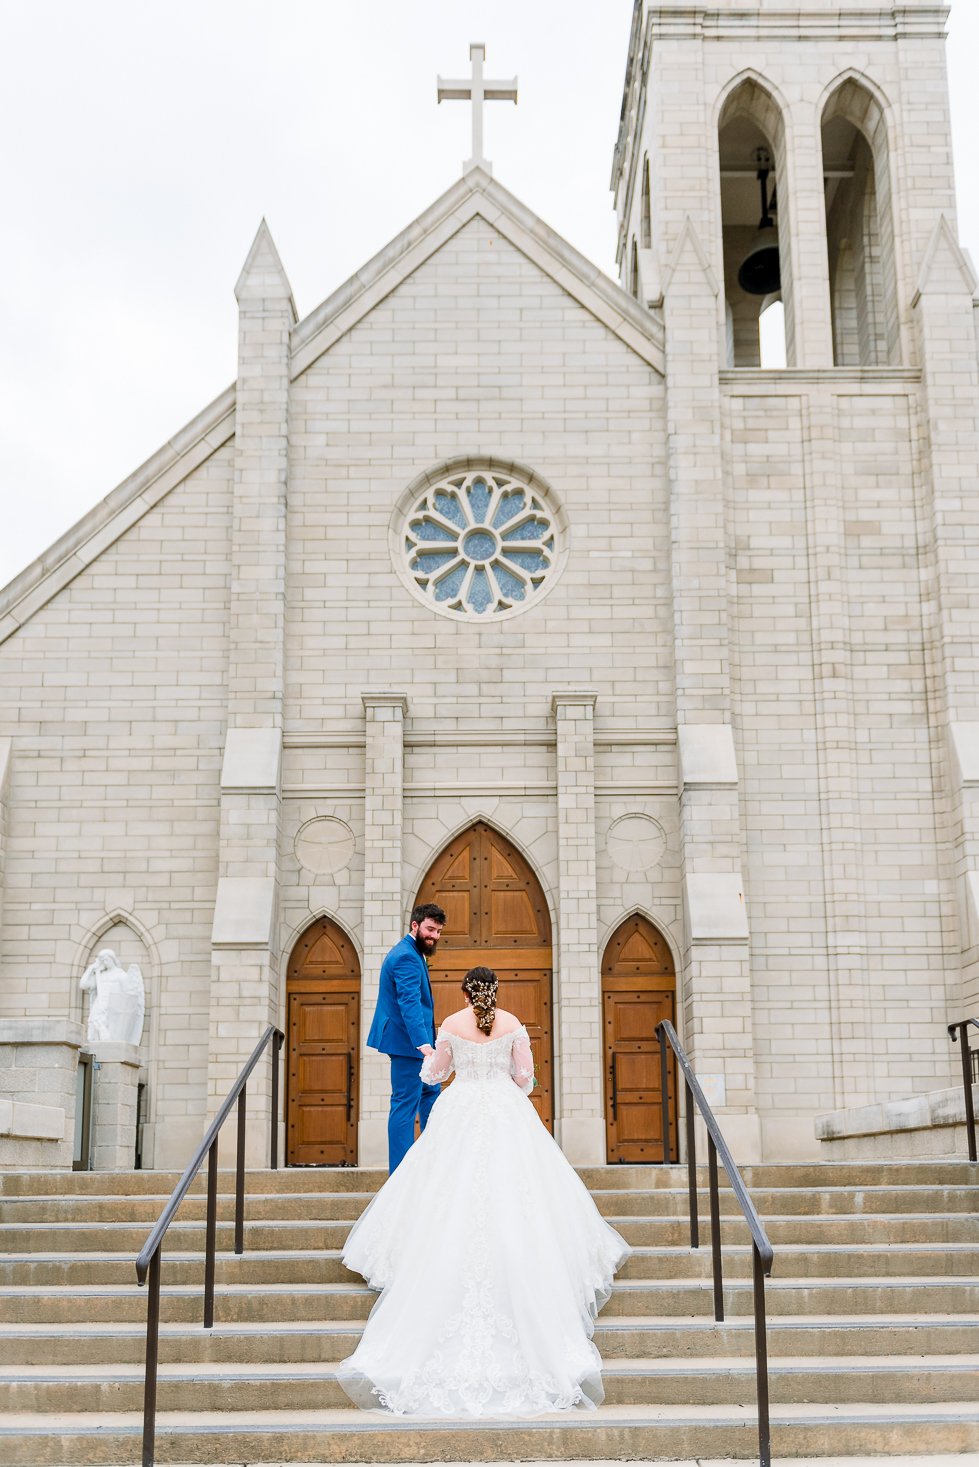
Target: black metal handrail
(762, 1253)
(148, 1262)
(960, 1032)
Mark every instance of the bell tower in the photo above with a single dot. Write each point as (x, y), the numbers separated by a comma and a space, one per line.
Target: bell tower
(809, 148)
(796, 158)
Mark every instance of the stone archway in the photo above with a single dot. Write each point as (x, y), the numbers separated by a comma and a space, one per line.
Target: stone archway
(496, 916)
(322, 1048)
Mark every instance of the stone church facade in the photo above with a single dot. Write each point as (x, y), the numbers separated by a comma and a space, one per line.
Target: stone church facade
(495, 582)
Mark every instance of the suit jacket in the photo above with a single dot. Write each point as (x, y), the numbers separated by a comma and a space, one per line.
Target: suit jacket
(405, 1013)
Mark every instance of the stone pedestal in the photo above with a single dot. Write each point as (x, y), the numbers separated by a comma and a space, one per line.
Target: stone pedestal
(38, 1061)
(114, 1104)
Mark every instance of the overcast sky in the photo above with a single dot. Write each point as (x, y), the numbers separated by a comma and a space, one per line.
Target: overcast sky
(144, 139)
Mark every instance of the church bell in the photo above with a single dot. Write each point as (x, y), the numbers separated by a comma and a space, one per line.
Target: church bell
(760, 272)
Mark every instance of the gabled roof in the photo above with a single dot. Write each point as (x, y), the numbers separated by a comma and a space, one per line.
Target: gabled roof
(476, 194)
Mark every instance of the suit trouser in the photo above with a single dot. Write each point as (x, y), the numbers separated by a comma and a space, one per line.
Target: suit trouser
(410, 1097)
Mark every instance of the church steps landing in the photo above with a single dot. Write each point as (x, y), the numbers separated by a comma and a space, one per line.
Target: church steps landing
(289, 1342)
(357, 1179)
(299, 1266)
(672, 1203)
(628, 1382)
(840, 1230)
(613, 1432)
(873, 1325)
(346, 1301)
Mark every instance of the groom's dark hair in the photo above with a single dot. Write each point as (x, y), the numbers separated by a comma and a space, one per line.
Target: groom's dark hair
(428, 909)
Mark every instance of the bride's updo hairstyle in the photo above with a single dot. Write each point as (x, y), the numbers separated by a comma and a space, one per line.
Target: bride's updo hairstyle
(479, 986)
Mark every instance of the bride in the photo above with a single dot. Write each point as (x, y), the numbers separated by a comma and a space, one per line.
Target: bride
(491, 1257)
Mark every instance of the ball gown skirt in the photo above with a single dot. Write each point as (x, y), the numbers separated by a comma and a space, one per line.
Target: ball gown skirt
(490, 1255)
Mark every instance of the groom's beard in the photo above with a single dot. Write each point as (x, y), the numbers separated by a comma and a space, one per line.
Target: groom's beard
(427, 945)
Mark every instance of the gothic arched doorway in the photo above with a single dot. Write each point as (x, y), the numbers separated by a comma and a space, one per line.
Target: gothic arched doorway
(638, 990)
(323, 1047)
(496, 916)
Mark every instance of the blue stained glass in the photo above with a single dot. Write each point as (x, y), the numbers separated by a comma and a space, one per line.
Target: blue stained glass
(509, 505)
(426, 564)
(529, 560)
(480, 591)
(479, 499)
(479, 545)
(426, 530)
(510, 586)
(451, 584)
(449, 508)
(528, 530)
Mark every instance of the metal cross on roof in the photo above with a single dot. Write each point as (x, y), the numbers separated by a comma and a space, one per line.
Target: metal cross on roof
(477, 90)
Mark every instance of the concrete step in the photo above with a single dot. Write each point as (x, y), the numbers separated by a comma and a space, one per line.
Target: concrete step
(685, 1382)
(286, 1341)
(183, 1236)
(341, 1301)
(645, 1433)
(945, 1172)
(611, 1202)
(300, 1267)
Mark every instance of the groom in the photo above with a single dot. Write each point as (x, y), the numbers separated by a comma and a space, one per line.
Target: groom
(404, 1027)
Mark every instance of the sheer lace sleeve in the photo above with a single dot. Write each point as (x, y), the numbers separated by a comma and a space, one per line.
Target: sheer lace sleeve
(522, 1061)
(438, 1066)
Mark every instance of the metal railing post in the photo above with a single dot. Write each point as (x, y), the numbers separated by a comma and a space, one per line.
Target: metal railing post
(692, 1171)
(210, 1229)
(664, 1077)
(240, 1176)
(152, 1360)
(715, 1230)
(761, 1358)
(960, 1031)
(274, 1150)
(763, 1256)
(148, 1261)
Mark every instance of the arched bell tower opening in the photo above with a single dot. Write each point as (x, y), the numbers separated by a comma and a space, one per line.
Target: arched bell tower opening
(754, 224)
(860, 230)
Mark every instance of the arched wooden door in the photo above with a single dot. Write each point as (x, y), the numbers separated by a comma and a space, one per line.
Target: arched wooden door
(638, 990)
(323, 1049)
(496, 917)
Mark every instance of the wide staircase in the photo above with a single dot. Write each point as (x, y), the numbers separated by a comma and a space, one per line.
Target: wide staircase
(873, 1324)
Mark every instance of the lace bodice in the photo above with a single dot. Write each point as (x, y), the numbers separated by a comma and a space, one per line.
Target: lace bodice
(507, 1057)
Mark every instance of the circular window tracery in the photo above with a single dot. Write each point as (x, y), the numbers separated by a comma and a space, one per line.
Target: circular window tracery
(480, 543)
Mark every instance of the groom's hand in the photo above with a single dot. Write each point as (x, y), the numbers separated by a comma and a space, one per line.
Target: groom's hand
(426, 1049)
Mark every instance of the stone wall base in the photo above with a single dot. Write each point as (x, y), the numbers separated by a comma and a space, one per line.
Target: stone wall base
(931, 1125)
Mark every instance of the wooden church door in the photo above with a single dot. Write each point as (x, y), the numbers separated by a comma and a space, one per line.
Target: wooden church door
(496, 917)
(638, 990)
(322, 1042)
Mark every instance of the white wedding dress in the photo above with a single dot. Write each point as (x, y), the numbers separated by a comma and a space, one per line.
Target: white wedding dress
(492, 1258)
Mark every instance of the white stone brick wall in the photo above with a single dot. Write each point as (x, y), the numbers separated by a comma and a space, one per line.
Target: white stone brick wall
(114, 697)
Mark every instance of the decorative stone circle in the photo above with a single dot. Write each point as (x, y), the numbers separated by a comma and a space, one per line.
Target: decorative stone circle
(324, 845)
(480, 543)
(636, 843)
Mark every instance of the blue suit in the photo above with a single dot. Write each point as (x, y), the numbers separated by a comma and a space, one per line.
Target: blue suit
(403, 1020)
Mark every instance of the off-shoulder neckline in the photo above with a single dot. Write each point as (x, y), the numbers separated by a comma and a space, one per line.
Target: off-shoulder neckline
(482, 1043)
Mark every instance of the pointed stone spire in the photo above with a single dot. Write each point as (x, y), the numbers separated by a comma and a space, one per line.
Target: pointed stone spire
(262, 275)
(689, 258)
(945, 269)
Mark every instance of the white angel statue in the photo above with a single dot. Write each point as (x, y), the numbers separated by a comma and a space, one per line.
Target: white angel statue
(118, 999)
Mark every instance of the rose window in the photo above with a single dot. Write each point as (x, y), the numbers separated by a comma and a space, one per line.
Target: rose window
(479, 544)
